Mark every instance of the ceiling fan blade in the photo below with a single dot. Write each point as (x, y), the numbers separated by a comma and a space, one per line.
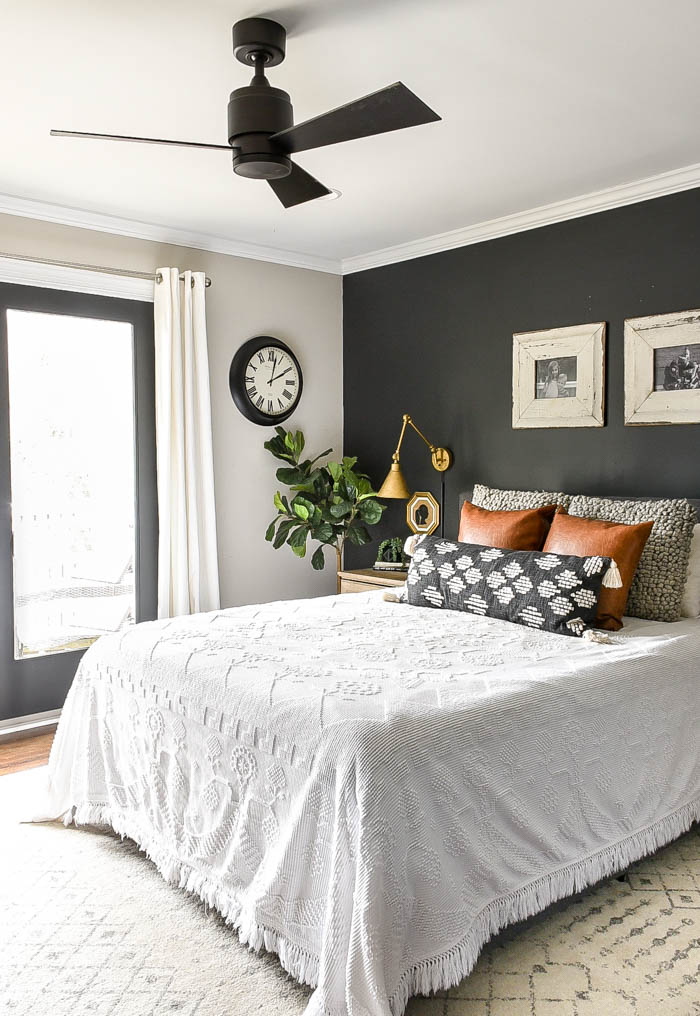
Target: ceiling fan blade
(390, 109)
(141, 141)
(298, 187)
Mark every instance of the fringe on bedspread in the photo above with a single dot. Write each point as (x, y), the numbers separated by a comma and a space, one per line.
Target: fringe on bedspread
(448, 970)
(439, 973)
(300, 964)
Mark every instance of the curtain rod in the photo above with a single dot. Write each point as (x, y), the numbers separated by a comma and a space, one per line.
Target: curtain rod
(155, 276)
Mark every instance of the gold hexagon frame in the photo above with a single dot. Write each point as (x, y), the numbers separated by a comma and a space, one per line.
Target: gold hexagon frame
(422, 513)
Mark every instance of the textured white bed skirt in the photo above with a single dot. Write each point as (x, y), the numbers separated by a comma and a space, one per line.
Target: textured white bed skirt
(372, 790)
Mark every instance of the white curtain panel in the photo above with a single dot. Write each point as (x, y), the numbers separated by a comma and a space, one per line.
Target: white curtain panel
(188, 571)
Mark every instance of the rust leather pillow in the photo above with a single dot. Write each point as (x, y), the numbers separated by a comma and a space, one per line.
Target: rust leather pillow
(623, 543)
(509, 530)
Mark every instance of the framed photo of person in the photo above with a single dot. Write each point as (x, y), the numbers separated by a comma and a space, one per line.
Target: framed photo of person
(559, 377)
(662, 369)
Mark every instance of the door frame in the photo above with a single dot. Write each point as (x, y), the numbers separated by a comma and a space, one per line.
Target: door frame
(40, 684)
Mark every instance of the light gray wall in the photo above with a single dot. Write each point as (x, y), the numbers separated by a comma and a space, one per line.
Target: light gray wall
(246, 298)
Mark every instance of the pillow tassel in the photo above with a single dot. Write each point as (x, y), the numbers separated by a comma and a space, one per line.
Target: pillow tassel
(591, 635)
(612, 578)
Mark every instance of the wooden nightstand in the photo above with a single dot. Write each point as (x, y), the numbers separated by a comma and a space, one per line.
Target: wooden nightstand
(362, 580)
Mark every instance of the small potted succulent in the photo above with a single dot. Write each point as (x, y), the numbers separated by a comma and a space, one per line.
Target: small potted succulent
(331, 503)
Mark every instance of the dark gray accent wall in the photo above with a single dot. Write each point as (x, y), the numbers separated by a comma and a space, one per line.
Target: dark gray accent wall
(433, 337)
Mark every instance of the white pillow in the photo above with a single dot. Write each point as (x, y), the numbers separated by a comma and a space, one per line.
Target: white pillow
(690, 604)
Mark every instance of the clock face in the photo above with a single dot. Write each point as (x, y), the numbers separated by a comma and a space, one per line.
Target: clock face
(265, 380)
(272, 381)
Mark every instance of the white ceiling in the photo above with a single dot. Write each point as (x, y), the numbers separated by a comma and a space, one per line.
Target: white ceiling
(541, 100)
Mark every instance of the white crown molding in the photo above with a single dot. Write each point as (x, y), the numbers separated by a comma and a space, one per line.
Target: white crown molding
(572, 208)
(163, 234)
(77, 280)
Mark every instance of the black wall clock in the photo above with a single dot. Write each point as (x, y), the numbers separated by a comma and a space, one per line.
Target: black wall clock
(265, 380)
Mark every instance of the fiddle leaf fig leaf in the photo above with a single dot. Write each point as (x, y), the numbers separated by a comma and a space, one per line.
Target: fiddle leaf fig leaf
(283, 532)
(290, 476)
(278, 448)
(321, 456)
(309, 481)
(341, 509)
(358, 535)
(269, 535)
(297, 539)
(322, 532)
(318, 561)
(371, 512)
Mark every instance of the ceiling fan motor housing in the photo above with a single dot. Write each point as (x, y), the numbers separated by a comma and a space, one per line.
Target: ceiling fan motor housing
(255, 112)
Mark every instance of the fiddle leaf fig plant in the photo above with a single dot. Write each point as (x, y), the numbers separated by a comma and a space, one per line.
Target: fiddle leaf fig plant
(330, 503)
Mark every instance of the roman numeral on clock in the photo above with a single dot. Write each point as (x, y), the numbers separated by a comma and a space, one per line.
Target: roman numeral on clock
(260, 402)
(270, 406)
(287, 394)
(252, 392)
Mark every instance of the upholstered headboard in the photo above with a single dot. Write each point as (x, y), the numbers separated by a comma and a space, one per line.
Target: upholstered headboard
(466, 495)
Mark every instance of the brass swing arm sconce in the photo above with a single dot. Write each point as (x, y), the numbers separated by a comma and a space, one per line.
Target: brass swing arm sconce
(395, 485)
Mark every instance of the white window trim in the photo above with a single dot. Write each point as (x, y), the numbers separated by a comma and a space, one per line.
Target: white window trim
(76, 280)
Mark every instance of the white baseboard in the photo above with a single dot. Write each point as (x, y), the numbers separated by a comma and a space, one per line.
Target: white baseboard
(35, 723)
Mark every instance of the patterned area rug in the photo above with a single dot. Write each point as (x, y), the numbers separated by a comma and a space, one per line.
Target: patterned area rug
(87, 926)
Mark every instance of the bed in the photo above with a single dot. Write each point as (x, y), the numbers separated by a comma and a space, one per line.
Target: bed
(372, 790)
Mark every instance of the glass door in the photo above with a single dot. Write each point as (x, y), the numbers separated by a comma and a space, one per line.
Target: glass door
(80, 482)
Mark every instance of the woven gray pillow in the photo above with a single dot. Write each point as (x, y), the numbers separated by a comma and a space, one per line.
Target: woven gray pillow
(515, 500)
(657, 588)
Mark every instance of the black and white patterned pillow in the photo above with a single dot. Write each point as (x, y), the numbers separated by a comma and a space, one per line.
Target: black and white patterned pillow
(553, 592)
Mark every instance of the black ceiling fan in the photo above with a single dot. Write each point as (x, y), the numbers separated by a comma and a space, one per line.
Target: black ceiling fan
(261, 130)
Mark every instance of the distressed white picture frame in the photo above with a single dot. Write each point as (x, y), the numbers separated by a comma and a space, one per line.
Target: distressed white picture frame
(643, 405)
(584, 409)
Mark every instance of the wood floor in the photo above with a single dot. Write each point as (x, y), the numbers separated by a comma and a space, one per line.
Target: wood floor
(25, 753)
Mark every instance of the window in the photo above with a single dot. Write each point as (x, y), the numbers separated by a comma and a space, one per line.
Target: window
(78, 501)
(71, 400)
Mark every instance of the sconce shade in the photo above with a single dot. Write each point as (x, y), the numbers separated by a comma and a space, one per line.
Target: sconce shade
(394, 485)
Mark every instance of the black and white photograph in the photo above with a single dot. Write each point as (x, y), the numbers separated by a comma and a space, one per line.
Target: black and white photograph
(677, 368)
(559, 376)
(556, 378)
(662, 369)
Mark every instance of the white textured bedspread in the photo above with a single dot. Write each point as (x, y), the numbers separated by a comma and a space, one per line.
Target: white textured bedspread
(371, 790)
